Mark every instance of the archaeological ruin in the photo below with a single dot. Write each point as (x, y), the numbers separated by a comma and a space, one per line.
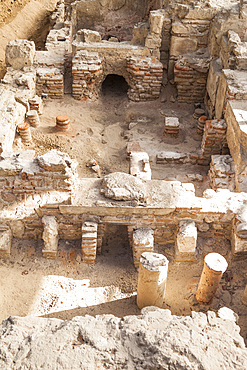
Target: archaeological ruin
(123, 184)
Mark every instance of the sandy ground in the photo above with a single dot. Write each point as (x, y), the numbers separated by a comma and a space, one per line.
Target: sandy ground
(66, 287)
(100, 131)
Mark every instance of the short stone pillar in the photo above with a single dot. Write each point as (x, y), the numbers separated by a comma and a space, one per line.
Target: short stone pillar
(143, 241)
(50, 236)
(244, 298)
(185, 246)
(5, 241)
(62, 122)
(171, 126)
(214, 266)
(89, 242)
(152, 280)
(25, 133)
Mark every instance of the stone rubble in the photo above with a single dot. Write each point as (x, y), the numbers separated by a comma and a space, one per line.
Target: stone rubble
(154, 339)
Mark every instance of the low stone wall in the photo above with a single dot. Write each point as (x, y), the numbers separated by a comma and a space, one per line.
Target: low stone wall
(145, 78)
(23, 177)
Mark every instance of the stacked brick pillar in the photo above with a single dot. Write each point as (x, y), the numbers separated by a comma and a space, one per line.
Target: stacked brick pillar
(100, 234)
(214, 138)
(87, 74)
(191, 79)
(145, 78)
(50, 82)
(89, 242)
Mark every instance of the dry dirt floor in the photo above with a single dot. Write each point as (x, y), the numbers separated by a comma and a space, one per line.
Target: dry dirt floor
(66, 287)
(101, 129)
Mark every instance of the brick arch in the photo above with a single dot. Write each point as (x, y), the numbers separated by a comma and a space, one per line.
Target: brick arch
(118, 77)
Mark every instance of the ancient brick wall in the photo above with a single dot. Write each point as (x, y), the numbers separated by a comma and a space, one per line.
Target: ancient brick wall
(25, 180)
(50, 82)
(214, 138)
(87, 74)
(190, 76)
(145, 78)
(187, 36)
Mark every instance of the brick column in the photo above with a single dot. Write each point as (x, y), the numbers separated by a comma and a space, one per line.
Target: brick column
(143, 241)
(145, 78)
(213, 139)
(89, 242)
(101, 231)
(87, 74)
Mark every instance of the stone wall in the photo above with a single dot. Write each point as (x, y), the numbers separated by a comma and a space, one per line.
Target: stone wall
(27, 182)
(47, 186)
(110, 17)
(187, 36)
(11, 113)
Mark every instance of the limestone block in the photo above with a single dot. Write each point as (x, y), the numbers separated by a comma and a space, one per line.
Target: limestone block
(55, 160)
(17, 228)
(182, 45)
(213, 79)
(90, 36)
(186, 241)
(233, 40)
(140, 32)
(5, 241)
(11, 114)
(121, 186)
(20, 53)
(156, 21)
(179, 27)
(50, 236)
(220, 97)
(153, 41)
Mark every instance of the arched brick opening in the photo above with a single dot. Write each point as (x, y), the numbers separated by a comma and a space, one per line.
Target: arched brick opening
(115, 85)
